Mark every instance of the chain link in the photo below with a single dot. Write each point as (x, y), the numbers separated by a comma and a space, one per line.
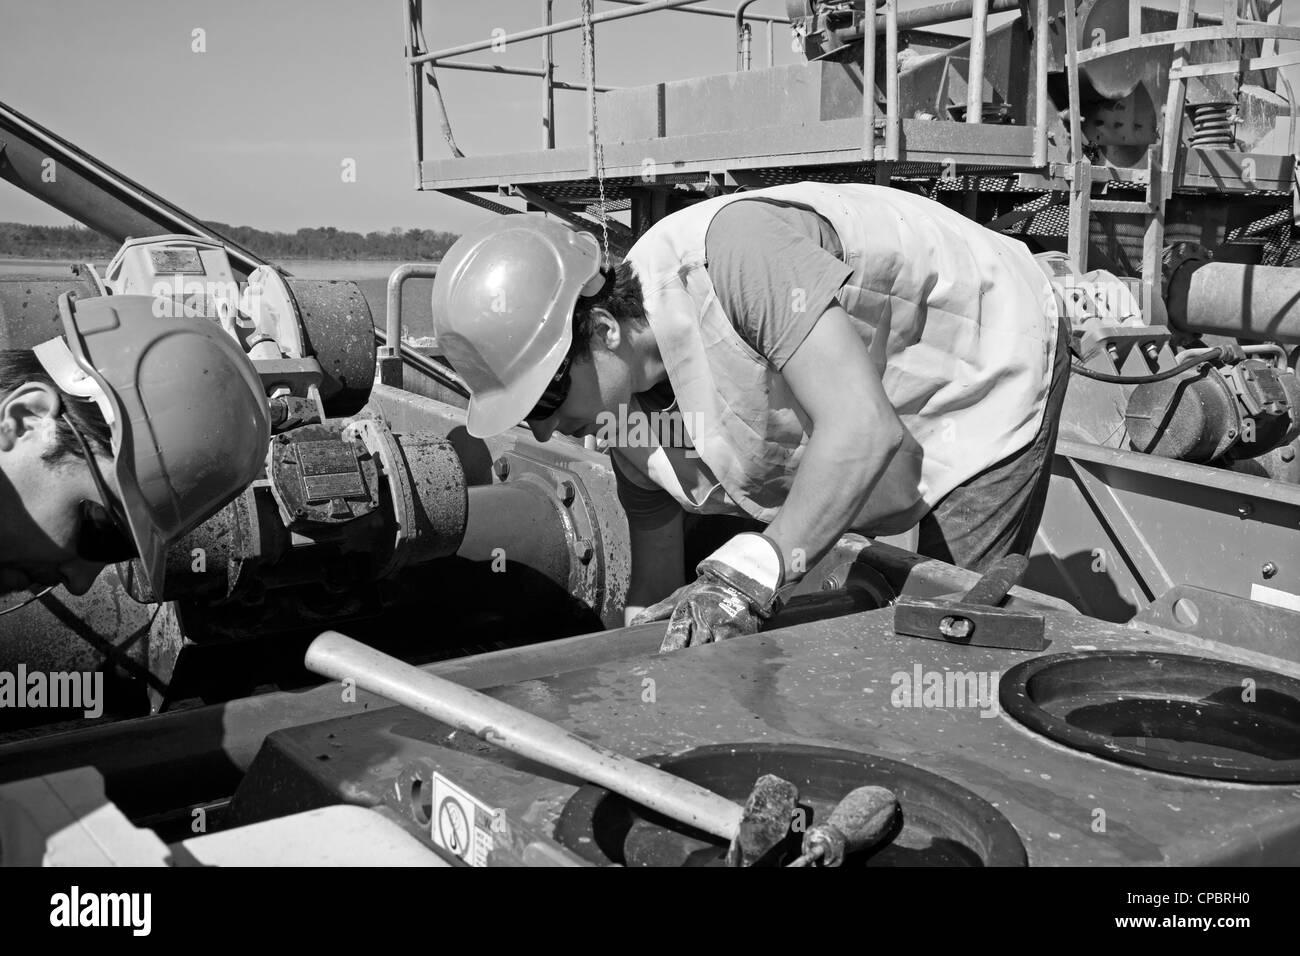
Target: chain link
(589, 62)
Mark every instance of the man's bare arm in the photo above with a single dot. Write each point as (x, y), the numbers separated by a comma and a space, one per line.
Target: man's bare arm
(855, 433)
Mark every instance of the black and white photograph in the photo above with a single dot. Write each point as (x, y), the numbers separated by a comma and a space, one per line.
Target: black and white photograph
(650, 434)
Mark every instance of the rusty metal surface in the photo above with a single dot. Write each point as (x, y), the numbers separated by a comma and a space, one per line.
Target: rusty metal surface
(62, 631)
(441, 502)
(102, 630)
(29, 307)
(835, 683)
(339, 332)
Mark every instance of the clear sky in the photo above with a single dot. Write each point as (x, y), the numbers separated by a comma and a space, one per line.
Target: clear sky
(254, 131)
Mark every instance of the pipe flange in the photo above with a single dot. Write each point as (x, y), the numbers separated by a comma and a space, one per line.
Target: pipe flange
(1180, 255)
(377, 439)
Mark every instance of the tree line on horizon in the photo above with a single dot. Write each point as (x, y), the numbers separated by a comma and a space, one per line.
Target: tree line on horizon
(319, 242)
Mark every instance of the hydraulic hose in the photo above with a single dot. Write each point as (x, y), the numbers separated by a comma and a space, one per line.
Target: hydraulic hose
(1187, 364)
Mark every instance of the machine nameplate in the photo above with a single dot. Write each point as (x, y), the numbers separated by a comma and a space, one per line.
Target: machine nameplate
(330, 470)
(177, 261)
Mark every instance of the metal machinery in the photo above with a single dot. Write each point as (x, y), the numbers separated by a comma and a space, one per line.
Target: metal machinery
(1171, 501)
(1158, 727)
(373, 499)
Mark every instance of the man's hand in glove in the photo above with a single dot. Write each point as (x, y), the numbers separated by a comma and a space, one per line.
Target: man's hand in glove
(736, 589)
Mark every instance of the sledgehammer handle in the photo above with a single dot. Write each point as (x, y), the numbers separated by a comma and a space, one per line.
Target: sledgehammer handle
(522, 733)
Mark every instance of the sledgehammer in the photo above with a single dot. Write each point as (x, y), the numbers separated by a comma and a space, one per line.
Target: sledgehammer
(751, 830)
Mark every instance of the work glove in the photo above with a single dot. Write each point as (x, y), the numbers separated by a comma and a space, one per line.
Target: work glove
(735, 590)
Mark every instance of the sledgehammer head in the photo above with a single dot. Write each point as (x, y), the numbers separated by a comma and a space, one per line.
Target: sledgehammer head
(769, 812)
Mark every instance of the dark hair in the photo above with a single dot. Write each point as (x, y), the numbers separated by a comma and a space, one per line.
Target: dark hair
(621, 297)
(20, 367)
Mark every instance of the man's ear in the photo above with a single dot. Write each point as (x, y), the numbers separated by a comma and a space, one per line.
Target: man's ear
(30, 410)
(606, 330)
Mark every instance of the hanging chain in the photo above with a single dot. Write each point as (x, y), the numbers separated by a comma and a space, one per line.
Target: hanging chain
(589, 62)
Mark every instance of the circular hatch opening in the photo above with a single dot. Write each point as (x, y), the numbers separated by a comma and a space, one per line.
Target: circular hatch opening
(1169, 712)
(940, 824)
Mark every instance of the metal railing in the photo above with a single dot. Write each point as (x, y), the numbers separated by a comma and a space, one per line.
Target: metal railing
(893, 22)
(420, 62)
(889, 19)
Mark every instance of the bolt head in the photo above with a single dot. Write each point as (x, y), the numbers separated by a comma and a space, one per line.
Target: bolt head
(585, 550)
(1268, 570)
(1245, 510)
(566, 491)
(501, 468)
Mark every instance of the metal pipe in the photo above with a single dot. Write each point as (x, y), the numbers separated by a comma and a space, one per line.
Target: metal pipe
(562, 27)
(1253, 302)
(869, 90)
(1040, 83)
(1173, 125)
(742, 36)
(416, 111)
(948, 12)
(548, 83)
(392, 347)
(710, 12)
(975, 65)
(519, 71)
(1269, 348)
(518, 522)
(1186, 355)
(892, 119)
(1278, 353)
(393, 319)
(1072, 78)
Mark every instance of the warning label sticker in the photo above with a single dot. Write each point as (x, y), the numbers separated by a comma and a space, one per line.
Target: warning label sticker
(462, 824)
